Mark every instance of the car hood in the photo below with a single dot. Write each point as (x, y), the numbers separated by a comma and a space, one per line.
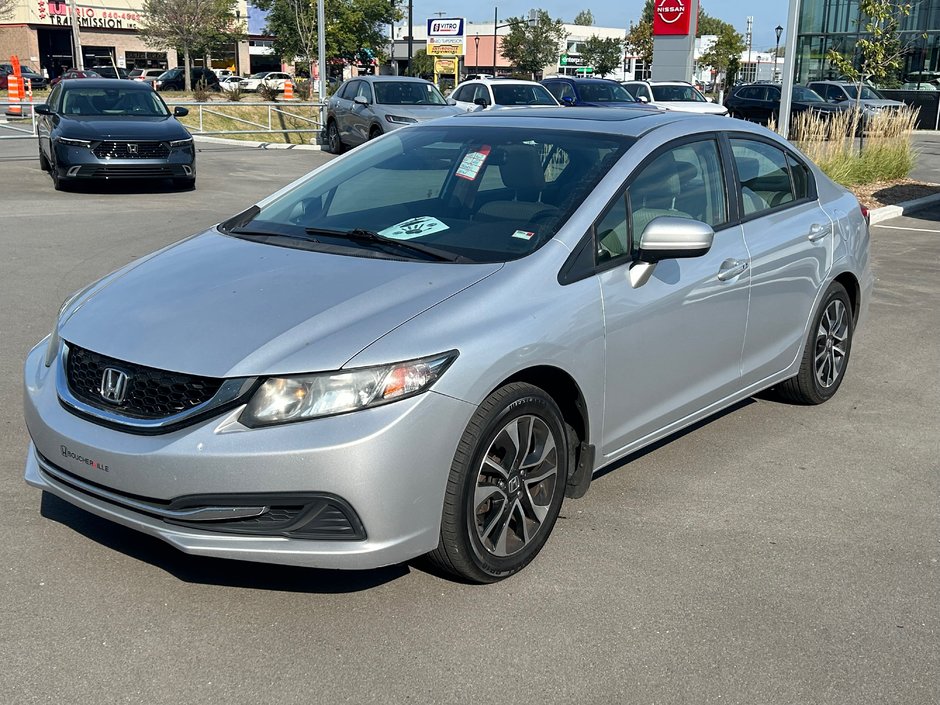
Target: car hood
(419, 112)
(97, 127)
(220, 306)
(878, 104)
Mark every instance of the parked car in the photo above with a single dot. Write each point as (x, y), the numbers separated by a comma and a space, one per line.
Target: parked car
(271, 79)
(36, 79)
(759, 102)
(104, 128)
(174, 80)
(74, 73)
(673, 95)
(146, 74)
(224, 73)
(590, 92)
(425, 345)
(848, 94)
(230, 83)
(112, 72)
(494, 93)
(366, 107)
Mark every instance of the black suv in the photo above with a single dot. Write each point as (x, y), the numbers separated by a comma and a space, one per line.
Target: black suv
(173, 80)
(760, 102)
(591, 92)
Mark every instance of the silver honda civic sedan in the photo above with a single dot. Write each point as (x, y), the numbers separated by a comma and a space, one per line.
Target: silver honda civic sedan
(426, 345)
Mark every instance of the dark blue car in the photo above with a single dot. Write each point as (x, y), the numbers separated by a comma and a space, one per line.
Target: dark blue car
(590, 92)
(106, 128)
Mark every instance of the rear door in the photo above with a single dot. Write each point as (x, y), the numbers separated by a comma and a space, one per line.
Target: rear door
(342, 104)
(789, 238)
(463, 96)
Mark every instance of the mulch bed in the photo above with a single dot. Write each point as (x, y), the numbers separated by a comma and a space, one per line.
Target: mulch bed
(890, 193)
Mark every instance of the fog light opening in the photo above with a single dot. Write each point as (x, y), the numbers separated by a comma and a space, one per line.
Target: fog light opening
(73, 171)
(187, 170)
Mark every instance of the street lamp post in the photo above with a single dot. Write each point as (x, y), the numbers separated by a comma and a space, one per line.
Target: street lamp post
(778, 30)
(476, 53)
(495, 27)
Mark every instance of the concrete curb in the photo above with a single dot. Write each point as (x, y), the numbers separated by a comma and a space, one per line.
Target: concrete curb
(876, 215)
(258, 145)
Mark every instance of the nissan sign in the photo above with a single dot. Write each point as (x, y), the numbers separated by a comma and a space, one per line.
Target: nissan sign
(671, 17)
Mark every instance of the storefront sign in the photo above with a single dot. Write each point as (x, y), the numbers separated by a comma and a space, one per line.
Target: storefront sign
(446, 36)
(671, 17)
(442, 47)
(447, 66)
(56, 12)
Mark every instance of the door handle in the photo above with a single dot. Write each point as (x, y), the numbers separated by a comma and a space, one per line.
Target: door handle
(818, 232)
(731, 268)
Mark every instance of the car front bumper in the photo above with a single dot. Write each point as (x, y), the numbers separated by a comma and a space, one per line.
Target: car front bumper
(72, 162)
(389, 465)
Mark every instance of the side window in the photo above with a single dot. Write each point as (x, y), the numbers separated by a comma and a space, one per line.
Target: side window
(685, 182)
(610, 234)
(364, 91)
(349, 92)
(633, 89)
(763, 174)
(463, 94)
(54, 99)
(802, 179)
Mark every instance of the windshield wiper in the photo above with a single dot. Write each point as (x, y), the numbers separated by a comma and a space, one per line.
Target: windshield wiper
(362, 235)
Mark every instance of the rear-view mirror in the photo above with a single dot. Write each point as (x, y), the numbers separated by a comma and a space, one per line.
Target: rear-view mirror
(180, 111)
(42, 109)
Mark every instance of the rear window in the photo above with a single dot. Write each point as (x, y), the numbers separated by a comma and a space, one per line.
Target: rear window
(522, 95)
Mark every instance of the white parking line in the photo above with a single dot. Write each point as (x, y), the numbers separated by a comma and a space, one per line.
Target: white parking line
(898, 227)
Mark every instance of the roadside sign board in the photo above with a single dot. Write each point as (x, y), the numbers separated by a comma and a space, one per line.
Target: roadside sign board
(446, 36)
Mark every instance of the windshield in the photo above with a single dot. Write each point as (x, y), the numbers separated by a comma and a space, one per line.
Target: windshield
(260, 74)
(167, 75)
(806, 95)
(482, 194)
(137, 72)
(605, 93)
(522, 94)
(867, 93)
(112, 101)
(407, 93)
(677, 93)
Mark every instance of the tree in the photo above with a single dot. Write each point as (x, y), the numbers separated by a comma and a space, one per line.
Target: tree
(726, 50)
(7, 7)
(421, 64)
(639, 41)
(603, 54)
(585, 17)
(351, 25)
(879, 52)
(190, 26)
(533, 46)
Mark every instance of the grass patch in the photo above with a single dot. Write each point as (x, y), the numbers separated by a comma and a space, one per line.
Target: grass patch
(849, 155)
(229, 116)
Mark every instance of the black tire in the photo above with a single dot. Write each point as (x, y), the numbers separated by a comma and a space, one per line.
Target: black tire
(375, 132)
(487, 540)
(334, 145)
(826, 355)
(185, 184)
(43, 162)
(59, 183)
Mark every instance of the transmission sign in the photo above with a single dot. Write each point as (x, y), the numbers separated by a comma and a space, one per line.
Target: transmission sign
(446, 36)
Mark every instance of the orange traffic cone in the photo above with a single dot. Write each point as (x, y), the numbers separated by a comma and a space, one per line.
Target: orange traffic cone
(288, 90)
(14, 87)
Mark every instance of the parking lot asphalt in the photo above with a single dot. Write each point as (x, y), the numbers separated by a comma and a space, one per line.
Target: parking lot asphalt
(775, 554)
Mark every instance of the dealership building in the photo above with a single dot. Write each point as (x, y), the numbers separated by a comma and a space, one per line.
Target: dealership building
(39, 34)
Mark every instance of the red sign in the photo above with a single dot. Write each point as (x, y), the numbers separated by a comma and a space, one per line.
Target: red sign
(671, 17)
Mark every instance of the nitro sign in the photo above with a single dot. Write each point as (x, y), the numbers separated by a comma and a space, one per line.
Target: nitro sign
(671, 17)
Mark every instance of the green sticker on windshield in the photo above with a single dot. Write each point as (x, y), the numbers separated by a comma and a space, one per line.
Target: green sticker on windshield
(414, 227)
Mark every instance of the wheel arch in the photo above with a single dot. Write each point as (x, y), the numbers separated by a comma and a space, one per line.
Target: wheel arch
(854, 290)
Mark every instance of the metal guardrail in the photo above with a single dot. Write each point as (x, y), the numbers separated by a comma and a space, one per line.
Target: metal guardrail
(24, 127)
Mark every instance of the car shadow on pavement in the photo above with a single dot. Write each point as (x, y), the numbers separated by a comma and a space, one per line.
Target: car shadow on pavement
(213, 571)
(126, 187)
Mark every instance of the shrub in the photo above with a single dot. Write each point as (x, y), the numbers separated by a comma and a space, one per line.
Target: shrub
(201, 92)
(267, 93)
(235, 94)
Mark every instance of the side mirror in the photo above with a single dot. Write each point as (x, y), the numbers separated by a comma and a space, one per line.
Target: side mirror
(42, 109)
(482, 102)
(643, 99)
(180, 111)
(451, 101)
(568, 101)
(668, 237)
(360, 100)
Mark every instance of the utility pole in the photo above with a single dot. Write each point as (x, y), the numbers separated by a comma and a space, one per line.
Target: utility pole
(76, 40)
(321, 56)
(747, 37)
(411, 38)
(495, 22)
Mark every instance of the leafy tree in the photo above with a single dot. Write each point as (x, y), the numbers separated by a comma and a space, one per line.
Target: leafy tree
(190, 26)
(639, 41)
(726, 50)
(585, 17)
(603, 54)
(421, 64)
(531, 47)
(879, 52)
(351, 25)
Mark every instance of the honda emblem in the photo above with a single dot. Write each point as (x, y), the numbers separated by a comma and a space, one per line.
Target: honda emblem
(113, 387)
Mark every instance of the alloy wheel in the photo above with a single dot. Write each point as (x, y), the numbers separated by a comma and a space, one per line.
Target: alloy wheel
(831, 347)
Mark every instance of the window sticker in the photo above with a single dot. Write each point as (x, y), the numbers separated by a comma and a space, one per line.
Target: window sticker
(414, 227)
(524, 234)
(470, 167)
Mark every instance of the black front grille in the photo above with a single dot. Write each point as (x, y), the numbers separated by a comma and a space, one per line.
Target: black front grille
(151, 393)
(131, 150)
(145, 171)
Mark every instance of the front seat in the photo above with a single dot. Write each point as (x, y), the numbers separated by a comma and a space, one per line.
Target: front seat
(520, 169)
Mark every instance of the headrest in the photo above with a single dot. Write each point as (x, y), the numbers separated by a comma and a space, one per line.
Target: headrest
(521, 170)
(748, 168)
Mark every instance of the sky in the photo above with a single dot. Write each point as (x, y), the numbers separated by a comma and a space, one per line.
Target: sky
(614, 13)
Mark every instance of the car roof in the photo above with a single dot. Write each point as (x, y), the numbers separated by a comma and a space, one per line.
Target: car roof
(107, 83)
(629, 122)
(579, 79)
(502, 82)
(383, 79)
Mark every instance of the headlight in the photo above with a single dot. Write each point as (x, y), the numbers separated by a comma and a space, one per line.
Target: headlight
(73, 143)
(400, 119)
(286, 399)
(182, 143)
